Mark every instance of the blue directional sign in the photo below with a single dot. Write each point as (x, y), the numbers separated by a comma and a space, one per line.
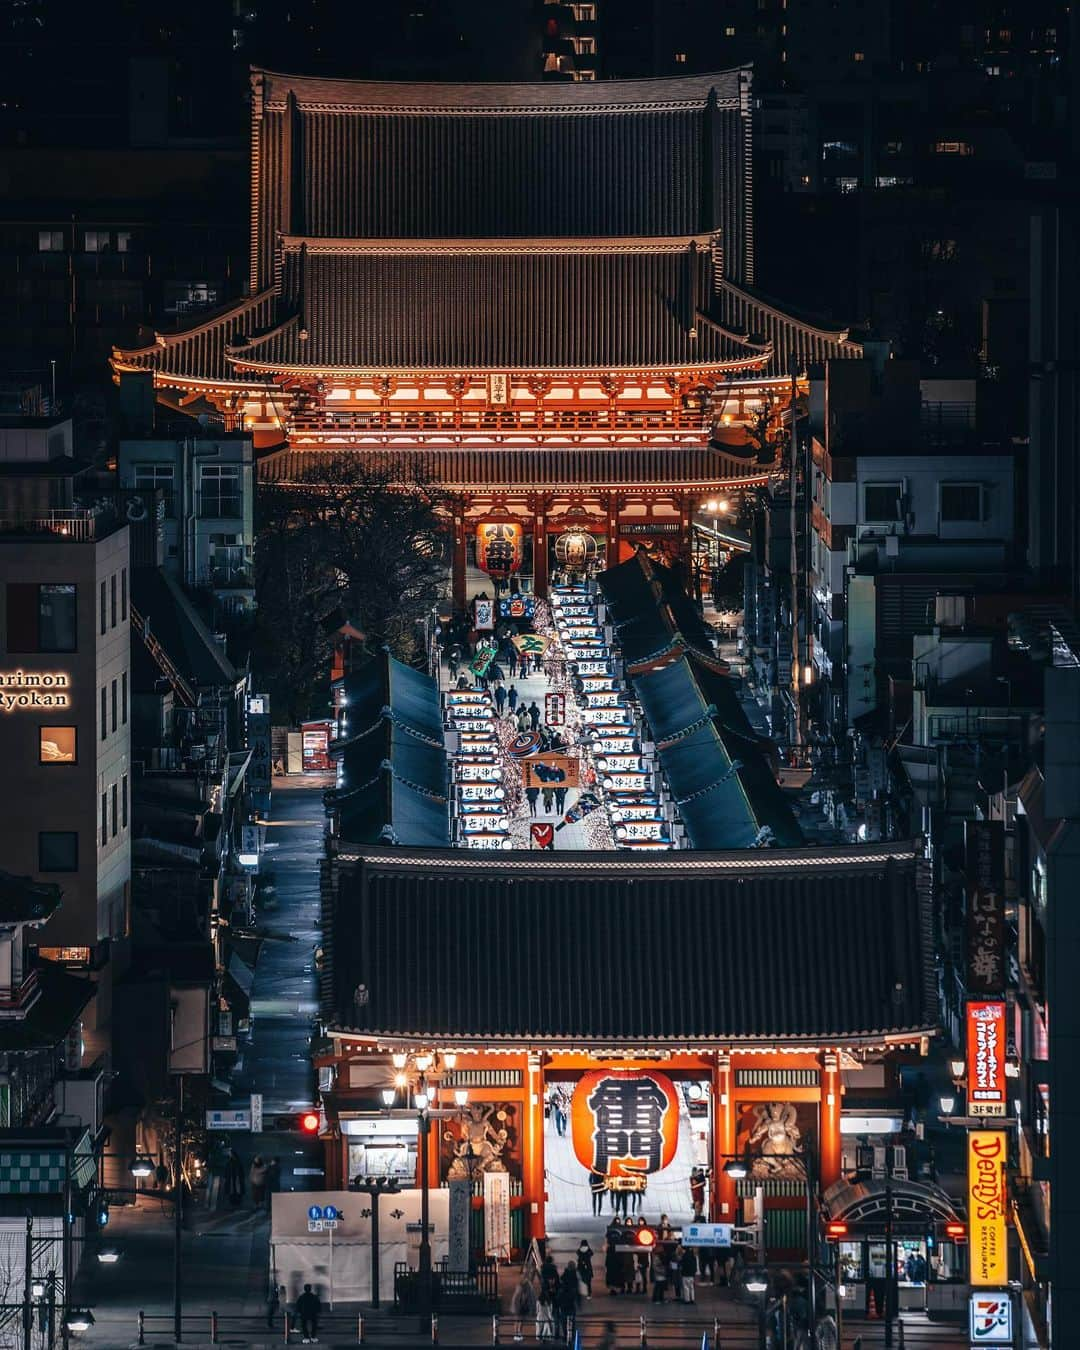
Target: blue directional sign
(331, 1212)
(315, 1212)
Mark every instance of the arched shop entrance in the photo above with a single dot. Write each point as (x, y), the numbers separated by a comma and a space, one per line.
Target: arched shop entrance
(629, 1134)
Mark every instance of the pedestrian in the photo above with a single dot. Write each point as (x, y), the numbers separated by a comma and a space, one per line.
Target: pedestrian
(234, 1178)
(659, 1272)
(534, 715)
(583, 1256)
(500, 698)
(512, 699)
(453, 663)
(523, 720)
(533, 794)
(596, 1185)
(697, 1191)
(274, 1302)
(607, 1340)
(308, 1308)
(524, 665)
(566, 1303)
(523, 1304)
(549, 801)
(560, 800)
(538, 663)
(257, 1178)
(613, 1267)
(273, 1176)
(687, 1271)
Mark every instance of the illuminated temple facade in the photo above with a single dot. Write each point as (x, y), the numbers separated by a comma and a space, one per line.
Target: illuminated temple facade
(545, 294)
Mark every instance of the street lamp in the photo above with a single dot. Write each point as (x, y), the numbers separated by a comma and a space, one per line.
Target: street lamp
(108, 1256)
(142, 1166)
(758, 1285)
(948, 1103)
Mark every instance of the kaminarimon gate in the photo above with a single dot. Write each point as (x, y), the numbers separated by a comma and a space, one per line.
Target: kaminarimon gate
(623, 1017)
(543, 294)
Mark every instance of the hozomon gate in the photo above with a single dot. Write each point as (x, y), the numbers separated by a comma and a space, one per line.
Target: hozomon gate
(761, 977)
(545, 292)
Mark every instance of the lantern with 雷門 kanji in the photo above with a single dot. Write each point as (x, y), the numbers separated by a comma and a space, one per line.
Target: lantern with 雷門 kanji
(498, 547)
(624, 1121)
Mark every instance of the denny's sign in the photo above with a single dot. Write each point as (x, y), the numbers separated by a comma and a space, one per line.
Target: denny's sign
(25, 690)
(986, 1208)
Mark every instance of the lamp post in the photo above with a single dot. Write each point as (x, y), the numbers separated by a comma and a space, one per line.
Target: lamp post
(741, 1166)
(373, 1188)
(758, 1285)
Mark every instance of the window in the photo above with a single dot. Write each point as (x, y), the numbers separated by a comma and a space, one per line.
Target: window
(953, 148)
(112, 601)
(123, 596)
(50, 241)
(114, 705)
(95, 241)
(41, 618)
(220, 490)
(104, 715)
(101, 606)
(124, 801)
(149, 477)
(77, 956)
(58, 851)
(57, 745)
(104, 819)
(859, 56)
(881, 501)
(585, 46)
(939, 250)
(115, 814)
(729, 32)
(680, 58)
(961, 501)
(123, 698)
(123, 241)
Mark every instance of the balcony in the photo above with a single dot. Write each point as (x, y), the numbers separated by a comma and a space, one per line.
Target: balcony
(220, 505)
(227, 579)
(15, 999)
(79, 524)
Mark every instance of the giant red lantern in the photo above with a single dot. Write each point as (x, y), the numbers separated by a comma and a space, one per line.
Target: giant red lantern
(624, 1121)
(498, 547)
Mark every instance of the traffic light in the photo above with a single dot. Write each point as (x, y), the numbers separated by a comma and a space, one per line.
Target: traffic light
(644, 1237)
(306, 1122)
(956, 1231)
(835, 1230)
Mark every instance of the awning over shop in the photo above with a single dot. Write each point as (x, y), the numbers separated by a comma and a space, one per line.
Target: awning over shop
(865, 1206)
(654, 617)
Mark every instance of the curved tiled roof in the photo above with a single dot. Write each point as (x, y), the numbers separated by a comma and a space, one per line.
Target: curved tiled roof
(478, 928)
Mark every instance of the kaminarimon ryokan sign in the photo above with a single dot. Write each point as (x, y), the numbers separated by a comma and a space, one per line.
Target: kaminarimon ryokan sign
(25, 690)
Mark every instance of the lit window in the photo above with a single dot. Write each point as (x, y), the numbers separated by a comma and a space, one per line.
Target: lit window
(50, 241)
(680, 58)
(953, 148)
(859, 56)
(58, 851)
(69, 956)
(123, 241)
(56, 745)
(585, 46)
(729, 32)
(95, 241)
(847, 184)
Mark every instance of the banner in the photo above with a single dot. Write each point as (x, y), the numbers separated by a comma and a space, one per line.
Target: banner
(483, 615)
(550, 771)
(531, 644)
(483, 656)
(497, 1214)
(987, 1152)
(554, 709)
(542, 835)
(984, 869)
(581, 808)
(460, 1189)
(986, 1059)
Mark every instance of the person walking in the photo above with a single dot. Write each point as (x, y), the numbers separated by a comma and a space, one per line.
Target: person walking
(549, 801)
(308, 1308)
(523, 719)
(687, 1271)
(257, 1177)
(560, 800)
(533, 795)
(500, 698)
(658, 1271)
(697, 1192)
(613, 1267)
(566, 1303)
(524, 665)
(534, 715)
(538, 663)
(453, 662)
(234, 1178)
(523, 1305)
(607, 1341)
(275, 1301)
(273, 1178)
(596, 1185)
(583, 1256)
(512, 699)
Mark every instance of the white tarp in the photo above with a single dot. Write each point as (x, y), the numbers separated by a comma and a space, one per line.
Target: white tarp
(337, 1262)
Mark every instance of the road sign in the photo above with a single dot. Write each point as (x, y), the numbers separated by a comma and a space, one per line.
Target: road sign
(707, 1235)
(315, 1212)
(256, 1113)
(239, 1119)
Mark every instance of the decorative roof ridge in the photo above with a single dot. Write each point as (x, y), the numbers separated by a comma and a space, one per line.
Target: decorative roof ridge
(219, 317)
(750, 362)
(316, 93)
(282, 326)
(750, 298)
(766, 347)
(498, 244)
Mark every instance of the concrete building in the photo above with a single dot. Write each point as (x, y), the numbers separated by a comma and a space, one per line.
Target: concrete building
(65, 697)
(207, 490)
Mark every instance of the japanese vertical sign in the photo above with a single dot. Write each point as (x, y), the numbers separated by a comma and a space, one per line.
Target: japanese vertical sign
(986, 1208)
(498, 390)
(986, 1058)
(497, 1214)
(483, 615)
(984, 868)
(624, 1121)
(258, 740)
(554, 708)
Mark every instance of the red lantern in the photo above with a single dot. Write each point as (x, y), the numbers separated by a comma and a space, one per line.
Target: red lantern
(498, 547)
(624, 1121)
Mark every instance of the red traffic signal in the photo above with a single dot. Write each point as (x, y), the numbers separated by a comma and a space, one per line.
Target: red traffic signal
(835, 1230)
(956, 1231)
(309, 1122)
(644, 1237)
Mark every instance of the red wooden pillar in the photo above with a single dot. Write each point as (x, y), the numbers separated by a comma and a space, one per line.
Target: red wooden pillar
(533, 1148)
(722, 1190)
(830, 1119)
(457, 566)
(613, 504)
(540, 570)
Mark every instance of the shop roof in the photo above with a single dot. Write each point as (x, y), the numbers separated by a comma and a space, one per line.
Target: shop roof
(51, 1016)
(801, 945)
(25, 901)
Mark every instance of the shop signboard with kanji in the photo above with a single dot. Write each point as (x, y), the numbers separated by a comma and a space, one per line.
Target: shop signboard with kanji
(987, 1153)
(984, 869)
(554, 709)
(986, 1058)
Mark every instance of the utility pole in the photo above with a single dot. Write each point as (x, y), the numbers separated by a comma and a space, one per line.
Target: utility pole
(28, 1272)
(796, 673)
(178, 1208)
